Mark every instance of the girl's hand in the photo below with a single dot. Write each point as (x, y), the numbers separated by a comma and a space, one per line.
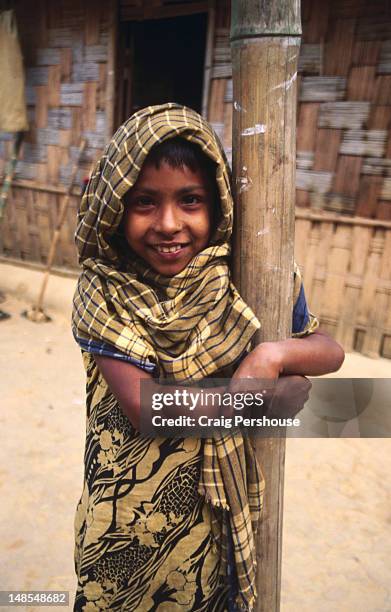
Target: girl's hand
(261, 371)
(262, 366)
(312, 355)
(289, 396)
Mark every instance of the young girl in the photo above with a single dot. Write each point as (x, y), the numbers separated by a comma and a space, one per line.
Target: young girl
(168, 524)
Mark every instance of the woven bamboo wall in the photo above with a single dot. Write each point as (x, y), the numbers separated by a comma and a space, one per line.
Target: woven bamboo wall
(29, 224)
(344, 142)
(344, 122)
(344, 111)
(343, 162)
(347, 274)
(65, 48)
(344, 166)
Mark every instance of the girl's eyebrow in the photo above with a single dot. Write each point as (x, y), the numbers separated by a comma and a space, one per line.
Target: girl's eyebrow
(187, 189)
(145, 190)
(192, 188)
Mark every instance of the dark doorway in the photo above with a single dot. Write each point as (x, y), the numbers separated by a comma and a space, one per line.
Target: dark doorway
(161, 60)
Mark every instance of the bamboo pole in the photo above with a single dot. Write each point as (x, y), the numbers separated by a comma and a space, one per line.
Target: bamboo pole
(265, 39)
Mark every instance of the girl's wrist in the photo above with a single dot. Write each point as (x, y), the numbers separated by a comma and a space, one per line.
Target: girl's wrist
(272, 356)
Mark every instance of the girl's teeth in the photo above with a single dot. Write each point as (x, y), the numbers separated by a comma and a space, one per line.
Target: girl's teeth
(172, 249)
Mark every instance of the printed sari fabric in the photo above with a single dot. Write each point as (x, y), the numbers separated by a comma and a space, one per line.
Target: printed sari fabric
(143, 533)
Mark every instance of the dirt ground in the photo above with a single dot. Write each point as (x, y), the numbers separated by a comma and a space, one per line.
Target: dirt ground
(337, 512)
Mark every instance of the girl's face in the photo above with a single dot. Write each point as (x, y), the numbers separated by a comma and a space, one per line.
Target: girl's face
(168, 215)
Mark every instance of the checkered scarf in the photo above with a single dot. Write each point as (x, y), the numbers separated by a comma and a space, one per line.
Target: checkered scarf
(184, 327)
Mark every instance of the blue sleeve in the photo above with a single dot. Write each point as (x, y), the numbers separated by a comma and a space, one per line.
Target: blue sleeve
(102, 348)
(300, 315)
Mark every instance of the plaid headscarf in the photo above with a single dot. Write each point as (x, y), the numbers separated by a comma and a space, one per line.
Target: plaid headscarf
(184, 327)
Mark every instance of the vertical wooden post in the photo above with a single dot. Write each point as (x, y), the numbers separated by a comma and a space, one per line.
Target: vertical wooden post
(208, 56)
(111, 100)
(265, 40)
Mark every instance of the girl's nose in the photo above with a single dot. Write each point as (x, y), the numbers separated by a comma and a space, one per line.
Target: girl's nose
(168, 219)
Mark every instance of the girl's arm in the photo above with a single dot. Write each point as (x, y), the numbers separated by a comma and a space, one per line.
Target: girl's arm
(124, 381)
(293, 359)
(311, 355)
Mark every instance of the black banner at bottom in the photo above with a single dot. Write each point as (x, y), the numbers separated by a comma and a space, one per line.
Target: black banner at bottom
(290, 407)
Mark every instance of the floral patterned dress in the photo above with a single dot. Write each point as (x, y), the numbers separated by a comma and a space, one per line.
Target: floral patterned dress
(143, 534)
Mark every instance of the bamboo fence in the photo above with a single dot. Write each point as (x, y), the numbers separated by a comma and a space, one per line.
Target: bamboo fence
(346, 266)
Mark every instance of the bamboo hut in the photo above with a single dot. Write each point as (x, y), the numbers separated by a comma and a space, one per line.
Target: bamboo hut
(89, 64)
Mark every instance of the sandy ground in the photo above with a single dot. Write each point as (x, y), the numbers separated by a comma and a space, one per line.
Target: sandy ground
(337, 516)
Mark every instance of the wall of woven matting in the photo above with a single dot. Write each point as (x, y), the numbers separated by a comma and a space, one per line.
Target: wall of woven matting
(343, 141)
(344, 166)
(344, 104)
(343, 162)
(65, 47)
(346, 266)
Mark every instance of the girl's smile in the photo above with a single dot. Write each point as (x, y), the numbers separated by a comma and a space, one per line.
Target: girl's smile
(168, 214)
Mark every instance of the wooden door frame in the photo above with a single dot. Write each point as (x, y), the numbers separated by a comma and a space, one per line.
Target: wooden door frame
(116, 63)
(148, 9)
(112, 69)
(208, 63)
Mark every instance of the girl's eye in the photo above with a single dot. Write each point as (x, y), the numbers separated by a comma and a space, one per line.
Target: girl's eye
(143, 201)
(191, 199)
